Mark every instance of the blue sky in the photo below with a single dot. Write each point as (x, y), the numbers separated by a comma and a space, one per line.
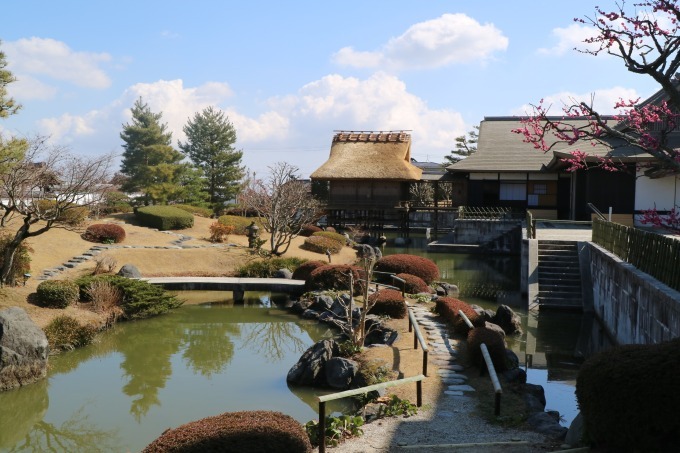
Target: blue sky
(288, 74)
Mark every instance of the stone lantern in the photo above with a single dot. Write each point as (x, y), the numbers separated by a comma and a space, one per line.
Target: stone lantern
(253, 234)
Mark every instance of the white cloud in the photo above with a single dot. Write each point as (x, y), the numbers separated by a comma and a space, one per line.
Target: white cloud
(603, 100)
(27, 87)
(449, 39)
(570, 38)
(54, 59)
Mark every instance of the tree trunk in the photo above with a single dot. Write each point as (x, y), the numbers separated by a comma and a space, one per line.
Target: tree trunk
(10, 251)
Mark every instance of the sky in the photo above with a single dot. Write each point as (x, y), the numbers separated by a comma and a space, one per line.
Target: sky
(289, 74)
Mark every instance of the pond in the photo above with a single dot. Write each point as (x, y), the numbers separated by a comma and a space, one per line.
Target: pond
(143, 377)
(552, 345)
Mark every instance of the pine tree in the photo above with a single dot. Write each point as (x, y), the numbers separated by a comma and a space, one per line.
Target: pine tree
(150, 162)
(465, 145)
(7, 104)
(210, 146)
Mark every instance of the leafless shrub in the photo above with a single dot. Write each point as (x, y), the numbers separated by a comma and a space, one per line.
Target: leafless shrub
(106, 299)
(104, 264)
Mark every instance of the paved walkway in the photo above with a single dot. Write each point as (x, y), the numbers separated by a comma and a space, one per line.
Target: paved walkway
(556, 231)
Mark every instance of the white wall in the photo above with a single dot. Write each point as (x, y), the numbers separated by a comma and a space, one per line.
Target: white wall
(664, 193)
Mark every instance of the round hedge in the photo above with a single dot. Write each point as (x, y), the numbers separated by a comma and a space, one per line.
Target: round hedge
(57, 293)
(304, 270)
(448, 307)
(335, 277)
(321, 244)
(235, 432)
(388, 302)
(308, 230)
(629, 399)
(104, 232)
(409, 264)
(332, 235)
(494, 342)
(413, 284)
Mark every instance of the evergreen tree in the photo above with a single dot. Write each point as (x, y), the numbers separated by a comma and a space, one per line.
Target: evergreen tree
(150, 163)
(465, 145)
(210, 146)
(7, 105)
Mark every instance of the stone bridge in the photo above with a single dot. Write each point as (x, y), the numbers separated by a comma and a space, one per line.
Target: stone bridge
(237, 285)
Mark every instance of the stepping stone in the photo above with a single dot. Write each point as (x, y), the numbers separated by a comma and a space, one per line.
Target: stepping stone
(462, 388)
(451, 374)
(453, 381)
(70, 265)
(453, 392)
(451, 367)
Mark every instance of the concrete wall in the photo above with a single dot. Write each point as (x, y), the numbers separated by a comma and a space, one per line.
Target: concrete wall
(425, 219)
(481, 231)
(634, 307)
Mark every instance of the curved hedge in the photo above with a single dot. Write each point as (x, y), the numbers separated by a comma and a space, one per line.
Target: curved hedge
(164, 217)
(235, 432)
(268, 267)
(321, 244)
(195, 210)
(104, 232)
(304, 270)
(413, 284)
(409, 264)
(335, 277)
(388, 302)
(494, 342)
(331, 235)
(448, 307)
(57, 293)
(629, 399)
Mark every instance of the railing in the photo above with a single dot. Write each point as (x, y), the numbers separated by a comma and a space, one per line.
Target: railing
(487, 213)
(489, 366)
(596, 211)
(363, 390)
(417, 337)
(651, 253)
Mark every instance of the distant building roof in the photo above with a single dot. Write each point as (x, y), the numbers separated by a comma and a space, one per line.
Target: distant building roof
(369, 155)
(500, 149)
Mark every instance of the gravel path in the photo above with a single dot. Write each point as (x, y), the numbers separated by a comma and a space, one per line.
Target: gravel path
(450, 419)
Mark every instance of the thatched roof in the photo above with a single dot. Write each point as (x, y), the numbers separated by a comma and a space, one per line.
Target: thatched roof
(369, 155)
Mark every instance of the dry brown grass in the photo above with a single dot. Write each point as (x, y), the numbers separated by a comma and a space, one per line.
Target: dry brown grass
(58, 245)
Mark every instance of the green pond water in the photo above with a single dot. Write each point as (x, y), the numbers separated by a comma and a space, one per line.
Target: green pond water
(143, 377)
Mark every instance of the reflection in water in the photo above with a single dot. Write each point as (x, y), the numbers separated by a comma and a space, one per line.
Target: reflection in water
(143, 377)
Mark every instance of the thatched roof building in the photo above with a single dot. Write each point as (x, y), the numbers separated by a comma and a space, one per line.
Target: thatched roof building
(363, 155)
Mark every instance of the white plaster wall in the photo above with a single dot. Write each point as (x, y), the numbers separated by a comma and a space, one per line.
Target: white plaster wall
(664, 193)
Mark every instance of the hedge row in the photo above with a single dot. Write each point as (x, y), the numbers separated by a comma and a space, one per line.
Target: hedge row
(304, 270)
(413, 284)
(164, 217)
(308, 230)
(57, 293)
(321, 244)
(239, 223)
(331, 235)
(195, 210)
(267, 268)
(335, 277)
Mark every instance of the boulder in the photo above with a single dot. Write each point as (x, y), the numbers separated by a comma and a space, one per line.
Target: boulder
(23, 349)
(447, 289)
(511, 358)
(300, 306)
(508, 320)
(545, 423)
(129, 271)
(495, 328)
(309, 370)
(340, 372)
(534, 397)
(515, 375)
(322, 302)
(576, 430)
(283, 273)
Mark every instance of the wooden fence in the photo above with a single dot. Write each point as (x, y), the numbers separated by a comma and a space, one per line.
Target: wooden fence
(651, 253)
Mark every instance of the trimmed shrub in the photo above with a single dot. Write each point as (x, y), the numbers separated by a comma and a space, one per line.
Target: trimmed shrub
(494, 342)
(448, 307)
(388, 302)
(239, 223)
(164, 217)
(140, 298)
(199, 211)
(236, 432)
(331, 229)
(335, 277)
(628, 397)
(331, 235)
(267, 267)
(57, 293)
(304, 270)
(320, 244)
(220, 232)
(22, 260)
(308, 230)
(65, 333)
(104, 232)
(409, 264)
(413, 284)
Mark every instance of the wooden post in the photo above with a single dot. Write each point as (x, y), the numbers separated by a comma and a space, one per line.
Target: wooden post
(419, 393)
(322, 426)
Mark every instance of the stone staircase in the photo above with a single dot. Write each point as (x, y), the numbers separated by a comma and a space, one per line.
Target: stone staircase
(559, 275)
